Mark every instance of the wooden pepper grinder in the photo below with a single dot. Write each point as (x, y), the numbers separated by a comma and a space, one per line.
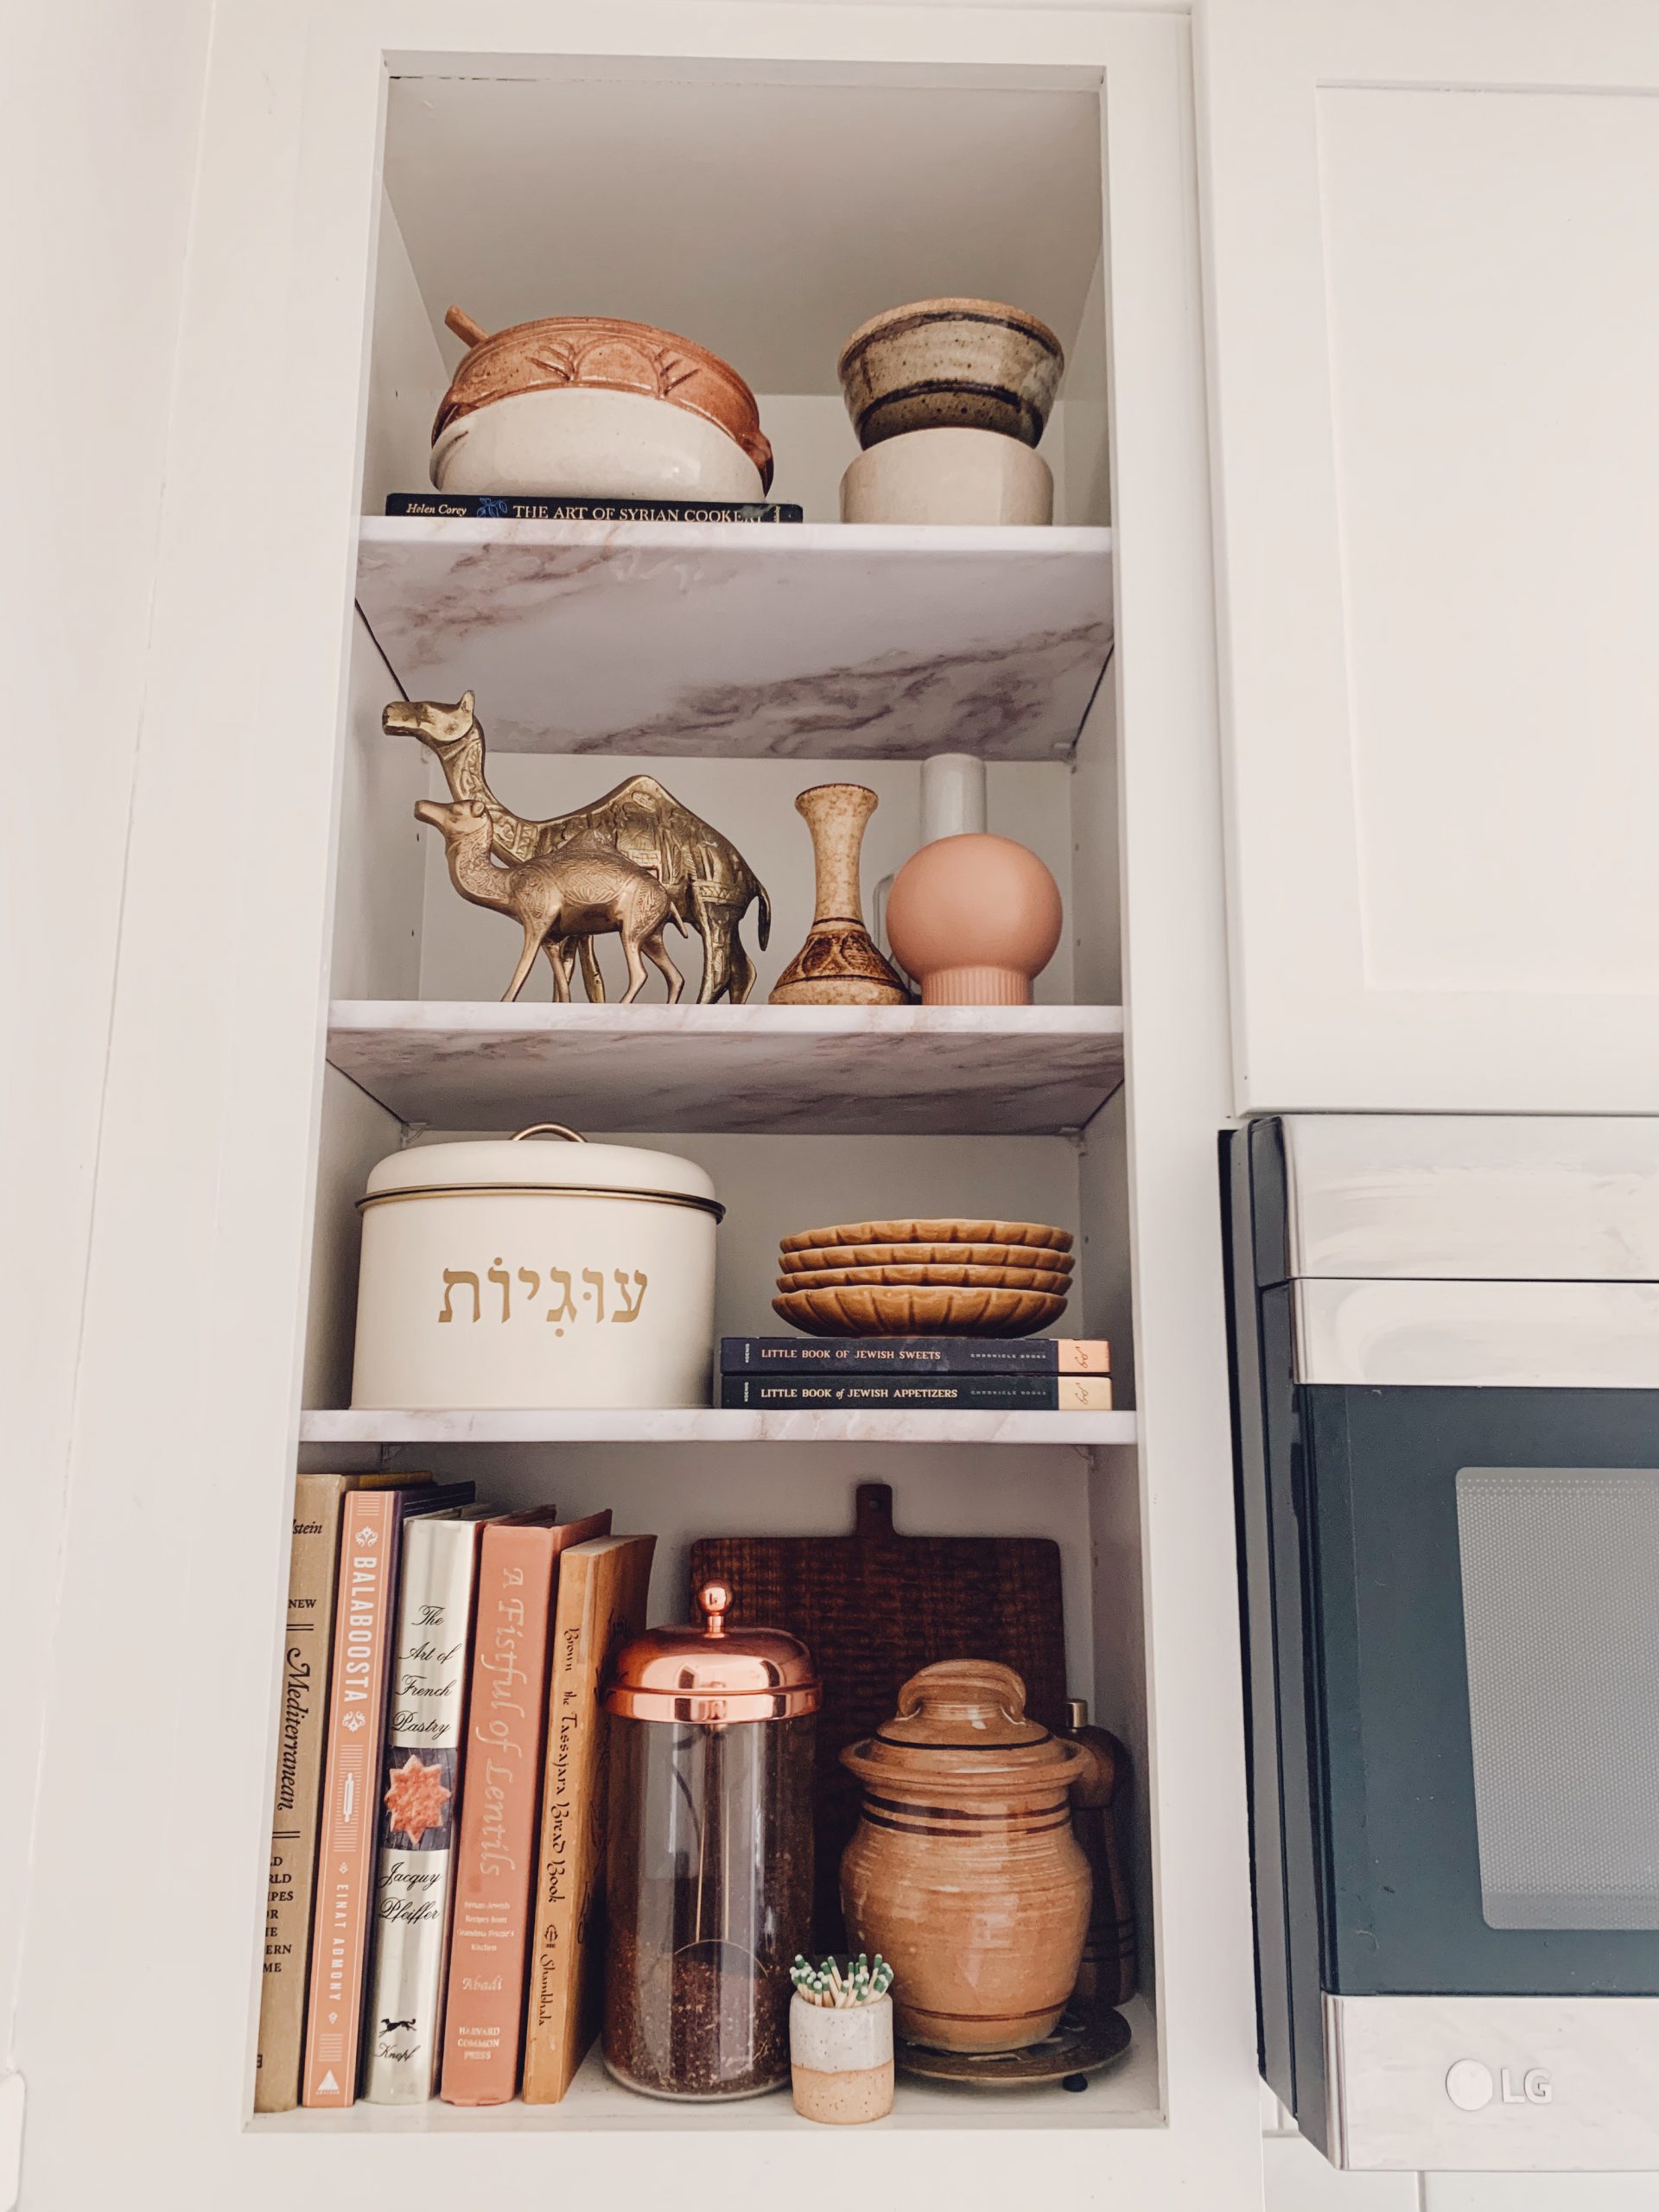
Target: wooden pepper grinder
(1106, 1974)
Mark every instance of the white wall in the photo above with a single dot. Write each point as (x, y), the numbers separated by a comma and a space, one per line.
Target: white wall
(97, 161)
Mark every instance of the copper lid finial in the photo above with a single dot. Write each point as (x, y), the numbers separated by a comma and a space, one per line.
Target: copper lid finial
(713, 1674)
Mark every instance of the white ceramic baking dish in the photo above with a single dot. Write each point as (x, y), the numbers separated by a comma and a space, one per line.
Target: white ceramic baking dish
(582, 442)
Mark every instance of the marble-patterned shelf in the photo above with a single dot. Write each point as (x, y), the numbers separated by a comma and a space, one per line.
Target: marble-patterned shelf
(710, 1425)
(809, 640)
(767, 1070)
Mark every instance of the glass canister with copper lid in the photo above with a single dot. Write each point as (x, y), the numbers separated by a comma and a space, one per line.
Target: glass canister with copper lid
(709, 1854)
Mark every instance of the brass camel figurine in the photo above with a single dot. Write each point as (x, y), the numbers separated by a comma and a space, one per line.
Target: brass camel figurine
(583, 890)
(709, 884)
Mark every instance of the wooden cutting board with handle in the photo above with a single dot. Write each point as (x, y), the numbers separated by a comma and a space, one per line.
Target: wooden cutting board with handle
(873, 1607)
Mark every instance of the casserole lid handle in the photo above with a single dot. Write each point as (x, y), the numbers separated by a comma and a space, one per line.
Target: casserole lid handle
(468, 332)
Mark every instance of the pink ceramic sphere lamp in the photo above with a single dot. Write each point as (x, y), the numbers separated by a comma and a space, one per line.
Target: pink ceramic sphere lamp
(974, 918)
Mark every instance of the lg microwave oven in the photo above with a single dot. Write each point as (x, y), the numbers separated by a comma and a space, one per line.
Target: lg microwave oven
(1445, 1357)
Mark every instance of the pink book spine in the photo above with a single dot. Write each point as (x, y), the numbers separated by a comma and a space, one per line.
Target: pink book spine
(346, 1840)
(496, 1852)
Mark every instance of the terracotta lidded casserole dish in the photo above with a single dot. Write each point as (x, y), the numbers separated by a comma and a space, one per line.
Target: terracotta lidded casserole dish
(509, 378)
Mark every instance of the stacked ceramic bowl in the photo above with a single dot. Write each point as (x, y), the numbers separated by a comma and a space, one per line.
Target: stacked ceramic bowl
(585, 407)
(924, 1278)
(949, 399)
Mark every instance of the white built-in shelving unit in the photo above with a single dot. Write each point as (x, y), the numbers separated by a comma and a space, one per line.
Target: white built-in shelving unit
(312, 995)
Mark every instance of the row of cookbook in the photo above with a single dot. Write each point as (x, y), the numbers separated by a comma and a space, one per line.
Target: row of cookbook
(434, 1835)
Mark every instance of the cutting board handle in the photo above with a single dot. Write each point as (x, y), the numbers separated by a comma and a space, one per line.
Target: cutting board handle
(873, 1505)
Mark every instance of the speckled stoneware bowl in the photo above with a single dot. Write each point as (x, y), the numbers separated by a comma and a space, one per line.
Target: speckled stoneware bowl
(972, 363)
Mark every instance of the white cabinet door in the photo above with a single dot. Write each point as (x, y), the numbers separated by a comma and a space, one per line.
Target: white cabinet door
(1432, 241)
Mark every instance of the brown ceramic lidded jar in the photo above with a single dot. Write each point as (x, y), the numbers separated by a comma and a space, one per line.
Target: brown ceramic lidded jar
(709, 1854)
(964, 1872)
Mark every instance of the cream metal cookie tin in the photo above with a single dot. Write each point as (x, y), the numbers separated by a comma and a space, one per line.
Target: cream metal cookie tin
(506, 1272)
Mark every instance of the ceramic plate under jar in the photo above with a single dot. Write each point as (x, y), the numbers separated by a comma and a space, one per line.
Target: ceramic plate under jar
(501, 1272)
(1084, 2042)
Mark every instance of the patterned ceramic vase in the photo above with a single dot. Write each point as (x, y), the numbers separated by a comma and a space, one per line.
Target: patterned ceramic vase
(839, 964)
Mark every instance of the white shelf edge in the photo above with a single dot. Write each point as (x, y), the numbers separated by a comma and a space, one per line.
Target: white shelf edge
(709, 1425)
(649, 1018)
(1051, 540)
(765, 1069)
(1126, 2095)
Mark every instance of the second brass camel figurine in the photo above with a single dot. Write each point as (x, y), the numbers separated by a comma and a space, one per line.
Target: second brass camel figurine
(584, 889)
(709, 884)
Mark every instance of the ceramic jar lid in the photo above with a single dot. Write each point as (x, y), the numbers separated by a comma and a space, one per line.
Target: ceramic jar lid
(712, 1673)
(495, 1164)
(962, 1728)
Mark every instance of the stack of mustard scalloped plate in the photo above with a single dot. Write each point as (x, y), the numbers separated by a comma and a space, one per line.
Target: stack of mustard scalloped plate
(924, 1278)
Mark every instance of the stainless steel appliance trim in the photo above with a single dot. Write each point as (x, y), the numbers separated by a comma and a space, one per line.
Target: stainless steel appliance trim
(1494, 2084)
(1501, 1196)
(1543, 1336)
(1336, 2133)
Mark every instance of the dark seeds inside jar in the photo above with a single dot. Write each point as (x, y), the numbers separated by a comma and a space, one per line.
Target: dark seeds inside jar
(709, 1874)
(709, 2021)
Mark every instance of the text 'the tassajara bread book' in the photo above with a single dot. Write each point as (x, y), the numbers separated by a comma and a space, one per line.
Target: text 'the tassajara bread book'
(601, 1605)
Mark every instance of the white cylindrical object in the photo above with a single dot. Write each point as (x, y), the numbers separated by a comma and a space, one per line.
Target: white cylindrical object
(953, 796)
(840, 2060)
(499, 1274)
(949, 474)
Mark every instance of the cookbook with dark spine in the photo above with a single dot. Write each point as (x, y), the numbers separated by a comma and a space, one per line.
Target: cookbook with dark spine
(526, 506)
(919, 1355)
(842, 1390)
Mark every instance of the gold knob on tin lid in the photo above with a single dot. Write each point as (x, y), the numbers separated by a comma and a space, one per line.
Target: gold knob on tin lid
(714, 1602)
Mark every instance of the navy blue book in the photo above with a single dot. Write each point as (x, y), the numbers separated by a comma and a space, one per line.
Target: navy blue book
(530, 506)
(788, 1391)
(918, 1354)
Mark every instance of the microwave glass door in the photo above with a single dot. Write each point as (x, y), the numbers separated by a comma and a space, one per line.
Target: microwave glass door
(1560, 1621)
(1481, 1597)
